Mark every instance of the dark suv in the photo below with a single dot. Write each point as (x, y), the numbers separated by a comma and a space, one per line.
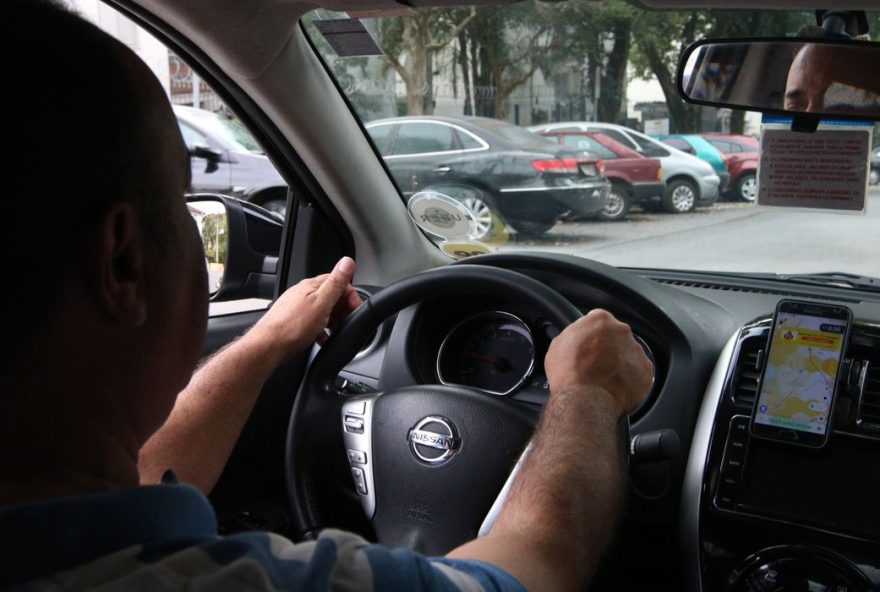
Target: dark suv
(491, 166)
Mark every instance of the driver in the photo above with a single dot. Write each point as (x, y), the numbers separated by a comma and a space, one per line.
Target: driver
(107, 297)
(834, 79)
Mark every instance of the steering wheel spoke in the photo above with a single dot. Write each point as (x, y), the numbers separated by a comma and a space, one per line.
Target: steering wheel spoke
(357, 415)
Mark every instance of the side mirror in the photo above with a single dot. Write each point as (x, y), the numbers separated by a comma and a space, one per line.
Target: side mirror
(241, 242)
(212, 157)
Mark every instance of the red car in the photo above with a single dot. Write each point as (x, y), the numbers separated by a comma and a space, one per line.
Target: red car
(741, 155)
(634, 178)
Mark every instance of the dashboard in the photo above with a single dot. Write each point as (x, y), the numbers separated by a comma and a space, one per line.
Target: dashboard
(737, 513)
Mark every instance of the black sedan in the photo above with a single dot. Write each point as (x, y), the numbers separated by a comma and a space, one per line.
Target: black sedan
(493, 167)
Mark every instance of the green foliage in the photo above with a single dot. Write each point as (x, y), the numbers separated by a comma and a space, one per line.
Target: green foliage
(486, 54)
(215, 235)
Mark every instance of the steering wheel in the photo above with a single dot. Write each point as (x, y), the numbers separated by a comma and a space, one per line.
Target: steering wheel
(428, 461)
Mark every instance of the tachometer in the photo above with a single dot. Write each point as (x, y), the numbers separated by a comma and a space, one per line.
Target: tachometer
(493, 352)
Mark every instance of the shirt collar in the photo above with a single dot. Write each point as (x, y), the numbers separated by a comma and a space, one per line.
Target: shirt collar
(43, 538)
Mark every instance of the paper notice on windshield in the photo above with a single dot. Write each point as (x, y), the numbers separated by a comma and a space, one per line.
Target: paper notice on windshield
(826, 170)
(348, 38)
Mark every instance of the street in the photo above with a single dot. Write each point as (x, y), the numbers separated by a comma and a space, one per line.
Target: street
(728, 236)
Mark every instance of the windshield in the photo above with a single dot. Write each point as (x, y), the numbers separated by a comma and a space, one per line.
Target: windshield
(569, 72)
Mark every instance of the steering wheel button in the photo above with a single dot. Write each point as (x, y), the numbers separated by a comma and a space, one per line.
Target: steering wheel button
(357, 456)
(357, 408)
(354, 424)
(360, 480)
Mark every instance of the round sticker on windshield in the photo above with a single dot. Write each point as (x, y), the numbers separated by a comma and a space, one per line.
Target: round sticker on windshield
(441, 215)
(465, 249)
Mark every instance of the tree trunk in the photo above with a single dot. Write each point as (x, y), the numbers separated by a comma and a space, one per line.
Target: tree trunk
(415, 66)
(737, 121)
(465, 73)
(428, 99)
(682, 118)
(613, 84)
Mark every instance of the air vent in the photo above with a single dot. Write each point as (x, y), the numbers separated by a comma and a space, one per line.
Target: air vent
(869, 408)
(748, 289)
(747, 372)
(372, 340)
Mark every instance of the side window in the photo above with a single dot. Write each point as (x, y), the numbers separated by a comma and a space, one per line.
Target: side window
(468, 142)
(190, 136)
(205, 120)
(647, 147)
(423, 137)
(380, 135)
(615, 135)
(682, 145)
(588, 143)
(725, 146)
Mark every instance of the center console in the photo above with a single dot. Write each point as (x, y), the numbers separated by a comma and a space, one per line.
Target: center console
(764, 515)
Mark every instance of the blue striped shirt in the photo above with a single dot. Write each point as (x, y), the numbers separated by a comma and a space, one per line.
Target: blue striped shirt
(164, 537)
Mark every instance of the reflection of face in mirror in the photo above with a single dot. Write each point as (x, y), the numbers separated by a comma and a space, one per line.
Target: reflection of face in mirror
(211, 220)
(834, 79)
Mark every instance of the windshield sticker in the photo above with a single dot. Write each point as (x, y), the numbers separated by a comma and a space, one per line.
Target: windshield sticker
(824, 170)
(441, 215)
(465, 249)
(348, 38)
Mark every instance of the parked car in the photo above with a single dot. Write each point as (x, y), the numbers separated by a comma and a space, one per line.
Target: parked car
(742, 161)
(491, 166)
(226, 159)
(690, 182)
(634, 178)
(701, 148)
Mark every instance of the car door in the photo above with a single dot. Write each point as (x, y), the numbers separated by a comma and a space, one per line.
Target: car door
(420, 155)
(214, 176)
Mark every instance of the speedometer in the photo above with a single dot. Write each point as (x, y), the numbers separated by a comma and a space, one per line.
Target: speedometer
(493, 352)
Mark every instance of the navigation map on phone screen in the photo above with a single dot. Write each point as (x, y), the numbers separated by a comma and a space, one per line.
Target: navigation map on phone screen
(799, 381)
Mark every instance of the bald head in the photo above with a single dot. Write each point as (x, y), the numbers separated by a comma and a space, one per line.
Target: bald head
(835, 79)
(89, 127)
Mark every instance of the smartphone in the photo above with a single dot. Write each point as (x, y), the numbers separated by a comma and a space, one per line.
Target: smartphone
(802, 366)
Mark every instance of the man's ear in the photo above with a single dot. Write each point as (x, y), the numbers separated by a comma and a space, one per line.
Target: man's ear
(120, 277)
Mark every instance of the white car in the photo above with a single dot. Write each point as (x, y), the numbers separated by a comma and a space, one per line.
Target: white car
(690, 181)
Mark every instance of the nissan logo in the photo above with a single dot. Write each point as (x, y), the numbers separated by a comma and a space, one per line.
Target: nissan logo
(434, 440)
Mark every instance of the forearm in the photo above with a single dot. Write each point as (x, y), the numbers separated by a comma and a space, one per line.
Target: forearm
(200, 433)
(564, 503)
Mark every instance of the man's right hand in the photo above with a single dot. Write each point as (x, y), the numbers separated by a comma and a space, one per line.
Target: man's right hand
(598, 351)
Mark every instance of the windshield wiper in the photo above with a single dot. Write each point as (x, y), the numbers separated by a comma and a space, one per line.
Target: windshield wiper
(833, 278)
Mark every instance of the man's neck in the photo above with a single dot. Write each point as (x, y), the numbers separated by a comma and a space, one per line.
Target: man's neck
(55, 445)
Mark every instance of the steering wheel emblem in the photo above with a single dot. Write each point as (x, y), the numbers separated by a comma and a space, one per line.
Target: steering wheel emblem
(434, 440)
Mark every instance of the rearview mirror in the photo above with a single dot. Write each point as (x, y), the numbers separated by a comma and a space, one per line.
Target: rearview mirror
(241, 243)
(798, 76)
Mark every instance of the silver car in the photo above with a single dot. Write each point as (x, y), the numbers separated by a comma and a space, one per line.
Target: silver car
(690, 181)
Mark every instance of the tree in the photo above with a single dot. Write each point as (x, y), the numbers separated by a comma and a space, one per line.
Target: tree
(410, 44)
(504, 47)
(660, 38)
(598, 39)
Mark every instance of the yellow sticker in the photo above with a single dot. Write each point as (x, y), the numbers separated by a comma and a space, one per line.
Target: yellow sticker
(465, 249)
(497, 233)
